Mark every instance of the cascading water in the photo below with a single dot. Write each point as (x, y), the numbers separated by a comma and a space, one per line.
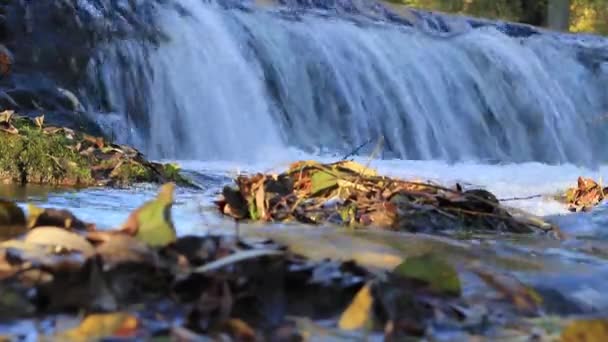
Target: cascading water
(230, 83)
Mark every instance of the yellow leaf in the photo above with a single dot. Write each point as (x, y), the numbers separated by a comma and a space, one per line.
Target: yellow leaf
(358, 315)
(98, 326)
(586, 331)
(357, 168)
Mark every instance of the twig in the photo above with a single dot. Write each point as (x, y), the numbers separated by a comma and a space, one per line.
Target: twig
(519, 198)
(357, 149)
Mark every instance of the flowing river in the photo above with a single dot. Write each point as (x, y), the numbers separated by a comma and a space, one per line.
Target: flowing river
(244, 88)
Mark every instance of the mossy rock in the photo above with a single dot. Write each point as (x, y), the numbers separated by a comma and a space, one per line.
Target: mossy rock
(63, 157)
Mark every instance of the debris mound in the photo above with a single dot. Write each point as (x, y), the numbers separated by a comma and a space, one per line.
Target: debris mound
(348, 193)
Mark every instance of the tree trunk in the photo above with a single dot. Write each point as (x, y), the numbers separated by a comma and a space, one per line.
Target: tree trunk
(559, 15)
(534, 12)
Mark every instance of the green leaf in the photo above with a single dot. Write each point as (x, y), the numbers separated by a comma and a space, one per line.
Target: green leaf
(322, 181)
(152, 222)
(440, 275)
(253, 210)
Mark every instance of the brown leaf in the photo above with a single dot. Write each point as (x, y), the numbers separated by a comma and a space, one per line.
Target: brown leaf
(15, 254)
(120, 248)
(97, 141)
(239, 330)
(56, 218)
(525, 298)
(233, 204)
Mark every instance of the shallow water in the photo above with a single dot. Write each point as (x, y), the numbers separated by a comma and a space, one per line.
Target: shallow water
(575, 268)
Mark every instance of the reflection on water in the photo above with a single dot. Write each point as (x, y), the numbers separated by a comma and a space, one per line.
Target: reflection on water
(29, 192)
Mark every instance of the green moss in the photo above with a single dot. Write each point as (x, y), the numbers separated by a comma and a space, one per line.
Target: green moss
(68, 158)
(51, 159)
(132, 172)
(10, 148)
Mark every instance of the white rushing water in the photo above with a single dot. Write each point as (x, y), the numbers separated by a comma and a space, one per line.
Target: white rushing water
(230, 84)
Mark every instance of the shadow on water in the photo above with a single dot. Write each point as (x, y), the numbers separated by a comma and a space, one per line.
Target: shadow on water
(29, 192)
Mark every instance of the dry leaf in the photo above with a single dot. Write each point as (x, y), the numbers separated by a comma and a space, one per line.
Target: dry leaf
(359, 313)
(59, 237)
(39, 121)
(98, 326)
(586, 331)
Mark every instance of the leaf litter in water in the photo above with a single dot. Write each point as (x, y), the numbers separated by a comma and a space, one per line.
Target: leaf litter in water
(586, 195)
(351, 194)
(140, 280)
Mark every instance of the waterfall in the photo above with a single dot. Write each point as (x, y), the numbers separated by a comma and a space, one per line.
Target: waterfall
(234, 83)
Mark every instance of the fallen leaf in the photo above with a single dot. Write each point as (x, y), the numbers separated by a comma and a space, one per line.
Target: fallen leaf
(524, 297)
(595, 330)
(152, 222)
(585, 196)
(233, 204)
(39, 121)
(322, 181)
(359, 313)
(98, 326)
(239, 330)
(56, 218)
(433, 270)
(59, 237)
(357, 168)
(12, 220)
(260, 200)
(20, 253)
(121, 248)
(6, 125)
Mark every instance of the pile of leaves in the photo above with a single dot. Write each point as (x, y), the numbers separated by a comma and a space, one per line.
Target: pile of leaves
(141, 281)
(586, 195)
(351, 194)
(34, 153)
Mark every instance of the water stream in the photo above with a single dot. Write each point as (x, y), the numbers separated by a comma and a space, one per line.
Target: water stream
(248, 89)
